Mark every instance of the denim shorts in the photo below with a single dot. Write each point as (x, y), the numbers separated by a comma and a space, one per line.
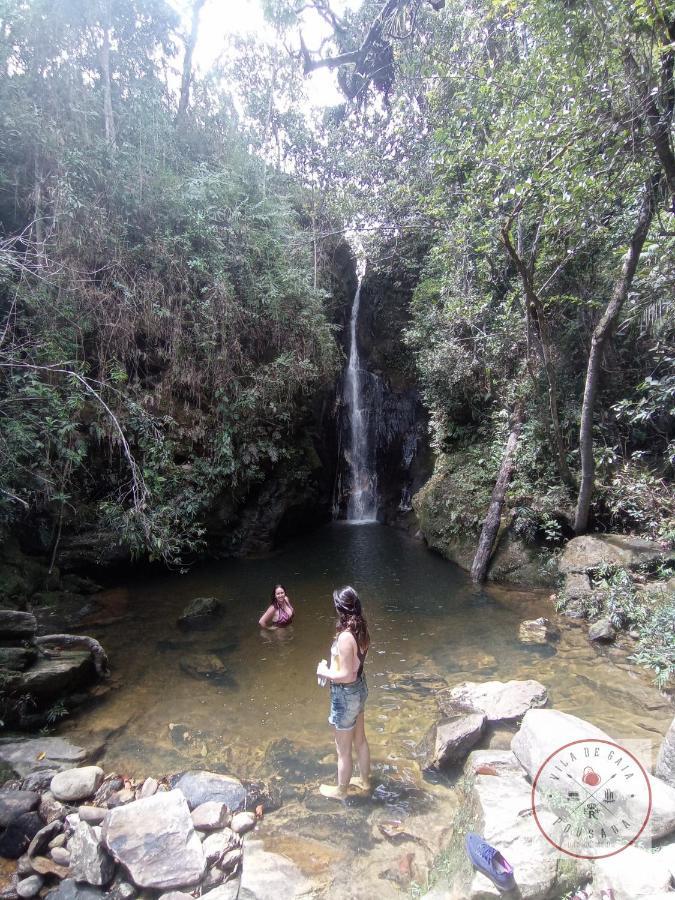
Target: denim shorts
(347, 701)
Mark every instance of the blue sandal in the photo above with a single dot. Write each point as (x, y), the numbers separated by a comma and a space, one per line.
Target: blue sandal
(489, 861)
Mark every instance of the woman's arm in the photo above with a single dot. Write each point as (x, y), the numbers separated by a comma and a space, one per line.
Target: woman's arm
(267, 618)
(346, 645)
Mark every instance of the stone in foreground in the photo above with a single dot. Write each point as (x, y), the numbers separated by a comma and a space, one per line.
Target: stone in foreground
(501, 701)
(74, 785)
(154, 839)
(88, 859)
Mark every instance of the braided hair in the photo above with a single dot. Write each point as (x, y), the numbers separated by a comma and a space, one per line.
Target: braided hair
(350, 616)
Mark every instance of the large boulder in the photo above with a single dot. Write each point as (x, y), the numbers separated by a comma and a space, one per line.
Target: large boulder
(49, 678)
(545, 731)
(74, 785)
(155, 841)
(448, 742)
(574, 595)
(504, 818)
(200, 613)
(33, 754)
(665, 764)
(501, 701)
(590, 551)
(200, 786)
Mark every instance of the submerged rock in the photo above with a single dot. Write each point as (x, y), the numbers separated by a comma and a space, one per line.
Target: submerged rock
(206, 666)
(537, 631)
(267, 875)
(501, 701)
(200, 613)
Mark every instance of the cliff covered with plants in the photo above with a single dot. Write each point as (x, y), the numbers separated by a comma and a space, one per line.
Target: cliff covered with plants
(165, 341)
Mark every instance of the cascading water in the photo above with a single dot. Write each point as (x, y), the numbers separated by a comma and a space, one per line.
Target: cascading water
(362, 504)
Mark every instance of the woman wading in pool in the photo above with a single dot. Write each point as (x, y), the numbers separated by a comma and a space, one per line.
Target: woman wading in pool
(348, 692)
(279, 613)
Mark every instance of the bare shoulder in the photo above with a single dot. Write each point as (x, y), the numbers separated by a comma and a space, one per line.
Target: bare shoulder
(346, 641)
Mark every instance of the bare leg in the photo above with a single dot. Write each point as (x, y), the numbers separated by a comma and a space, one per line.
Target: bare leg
(343, 744)
(362, 753)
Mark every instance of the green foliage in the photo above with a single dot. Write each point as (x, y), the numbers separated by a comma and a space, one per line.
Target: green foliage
(172, 274)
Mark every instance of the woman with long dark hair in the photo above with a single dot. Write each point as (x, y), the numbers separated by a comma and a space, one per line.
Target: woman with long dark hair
(280, 612)
(348, 692)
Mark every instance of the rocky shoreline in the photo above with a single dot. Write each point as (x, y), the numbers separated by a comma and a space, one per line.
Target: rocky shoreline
(77, 832)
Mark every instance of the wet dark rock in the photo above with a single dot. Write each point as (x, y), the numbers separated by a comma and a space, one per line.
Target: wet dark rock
(266, 795)
(602, 631)
(15, 625)
(95, 547)
(200, 613)
(69, 889)
(17, 658)
(121, 889)
(207, 667)
(39, 781)
(15, 803)
(49, 678)
(19, 833)
(199, 786)
(79, 584)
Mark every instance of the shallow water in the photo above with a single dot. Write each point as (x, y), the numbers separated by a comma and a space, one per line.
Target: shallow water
(264, 716)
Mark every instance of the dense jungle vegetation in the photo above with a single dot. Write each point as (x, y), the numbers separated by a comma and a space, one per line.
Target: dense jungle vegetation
(166, 285)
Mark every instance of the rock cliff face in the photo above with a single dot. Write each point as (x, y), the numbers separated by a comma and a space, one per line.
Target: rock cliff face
(398, 423)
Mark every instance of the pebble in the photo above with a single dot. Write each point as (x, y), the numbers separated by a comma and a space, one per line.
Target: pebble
(60, 855)
(29, 887)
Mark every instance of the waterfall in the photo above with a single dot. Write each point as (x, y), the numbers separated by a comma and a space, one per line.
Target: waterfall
(362, 504)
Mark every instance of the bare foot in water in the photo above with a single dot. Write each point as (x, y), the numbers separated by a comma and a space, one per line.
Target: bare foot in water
(333, 792)
(363, 784)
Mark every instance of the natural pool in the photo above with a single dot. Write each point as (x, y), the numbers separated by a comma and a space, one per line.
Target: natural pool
(263, 716)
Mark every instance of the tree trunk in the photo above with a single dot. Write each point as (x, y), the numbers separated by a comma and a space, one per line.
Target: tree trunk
(536, 317)
(190, 44)
(104, 57)
(601, 335)
(494, 514)
(79, 640)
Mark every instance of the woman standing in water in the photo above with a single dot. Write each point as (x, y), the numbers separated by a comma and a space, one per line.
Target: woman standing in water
(280, 612)
(348, 692)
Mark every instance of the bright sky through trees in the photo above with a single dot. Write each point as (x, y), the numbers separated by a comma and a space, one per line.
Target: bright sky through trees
(220, 18)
